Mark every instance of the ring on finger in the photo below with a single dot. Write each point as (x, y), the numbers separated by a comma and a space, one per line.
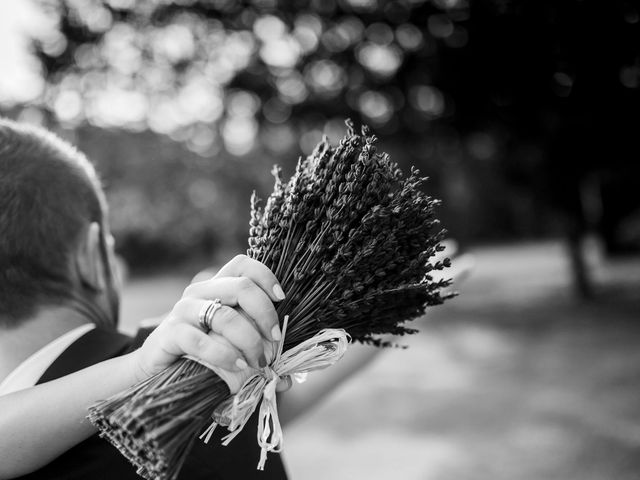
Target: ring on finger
(208, 310)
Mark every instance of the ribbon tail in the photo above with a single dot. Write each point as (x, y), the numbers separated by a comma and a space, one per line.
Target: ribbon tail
(244, 404)
(263, 458)
(206, 435)
(269, 429)
(237, 427)
(226, 440)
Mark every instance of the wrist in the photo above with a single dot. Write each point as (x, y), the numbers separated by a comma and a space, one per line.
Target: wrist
(135, 366)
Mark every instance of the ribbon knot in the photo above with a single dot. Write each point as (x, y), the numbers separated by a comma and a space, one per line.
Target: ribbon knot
(320, 351)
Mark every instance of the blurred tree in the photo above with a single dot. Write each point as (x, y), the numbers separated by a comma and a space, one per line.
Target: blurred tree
(507, 104)
(253, 79)
(176, 67)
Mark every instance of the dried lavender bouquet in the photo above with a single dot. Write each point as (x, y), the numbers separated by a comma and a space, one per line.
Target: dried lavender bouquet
(351, 241)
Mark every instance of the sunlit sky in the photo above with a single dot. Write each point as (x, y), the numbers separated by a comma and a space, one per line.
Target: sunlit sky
(20, 21)
(128, 78)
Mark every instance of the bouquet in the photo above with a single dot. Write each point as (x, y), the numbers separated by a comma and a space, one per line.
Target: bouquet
(353, 244)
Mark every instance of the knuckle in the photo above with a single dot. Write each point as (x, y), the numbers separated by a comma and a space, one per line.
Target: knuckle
(188, 292)
(202, 344)
(224, 316)
(245, 284)
(267, 314)
(181, 307)
(256, 344)
(195, 343)
(261, 270)
(240, 258)
(254, 339)
(183, 336)
(251, 267)
(243, 333)
(251, 339)
(266, 269)
(215, 352)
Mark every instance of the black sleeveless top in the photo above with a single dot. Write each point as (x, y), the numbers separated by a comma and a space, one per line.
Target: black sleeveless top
(97, 459)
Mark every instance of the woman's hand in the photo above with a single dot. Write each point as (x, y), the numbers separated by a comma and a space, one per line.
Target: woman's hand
(243, 330)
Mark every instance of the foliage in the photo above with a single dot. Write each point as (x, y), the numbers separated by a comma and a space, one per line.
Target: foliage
(169, 205)
(510, 107)
(180, 68)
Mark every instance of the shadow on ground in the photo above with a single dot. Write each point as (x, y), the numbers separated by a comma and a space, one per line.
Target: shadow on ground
(513, 380)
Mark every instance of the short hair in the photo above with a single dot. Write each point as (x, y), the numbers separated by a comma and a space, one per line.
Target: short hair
(49, 193)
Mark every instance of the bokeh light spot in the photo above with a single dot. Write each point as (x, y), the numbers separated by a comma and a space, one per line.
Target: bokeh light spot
(292, 88)
(630, 76)
(379, 33)
(242, 103)
(383, 60)
(282, 52)
(427, 99)
(375, 106)
(269, 28)
(68, 106)
(440, 26)
(326, 77)
(409, 36)
(239, 134)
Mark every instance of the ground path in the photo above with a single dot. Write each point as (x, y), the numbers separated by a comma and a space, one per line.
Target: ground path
(513, 380)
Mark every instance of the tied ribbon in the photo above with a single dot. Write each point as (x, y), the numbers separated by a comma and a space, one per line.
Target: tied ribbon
(320, 351)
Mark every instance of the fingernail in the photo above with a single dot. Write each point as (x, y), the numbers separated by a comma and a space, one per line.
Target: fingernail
(275, 333)
(262, 361)
(241, 364)
(278, 292)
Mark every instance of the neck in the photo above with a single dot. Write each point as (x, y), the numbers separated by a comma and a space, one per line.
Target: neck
(18, 343)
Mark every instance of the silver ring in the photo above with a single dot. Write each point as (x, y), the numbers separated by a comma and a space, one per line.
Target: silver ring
(208, 310)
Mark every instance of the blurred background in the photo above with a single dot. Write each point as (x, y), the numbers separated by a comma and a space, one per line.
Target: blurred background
(524, 114)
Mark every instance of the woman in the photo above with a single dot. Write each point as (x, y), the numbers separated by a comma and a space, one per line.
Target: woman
(60, 351)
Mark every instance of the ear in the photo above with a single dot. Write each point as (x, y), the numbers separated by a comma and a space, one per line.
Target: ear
(89, 261)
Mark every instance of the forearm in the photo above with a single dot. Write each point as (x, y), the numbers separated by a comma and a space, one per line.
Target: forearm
(40, 423)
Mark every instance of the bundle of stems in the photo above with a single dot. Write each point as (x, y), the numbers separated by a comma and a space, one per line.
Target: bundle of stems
(352, 242)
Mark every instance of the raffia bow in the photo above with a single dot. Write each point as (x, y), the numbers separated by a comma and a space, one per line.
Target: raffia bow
(319, 352)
